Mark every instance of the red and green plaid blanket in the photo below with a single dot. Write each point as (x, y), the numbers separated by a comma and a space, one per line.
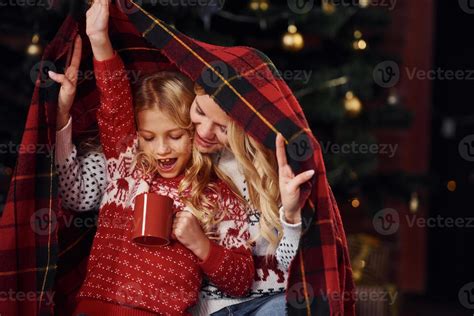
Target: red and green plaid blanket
(44, 249)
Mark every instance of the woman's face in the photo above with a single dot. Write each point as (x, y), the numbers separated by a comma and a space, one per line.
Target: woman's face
(211, 124)
(159, 136)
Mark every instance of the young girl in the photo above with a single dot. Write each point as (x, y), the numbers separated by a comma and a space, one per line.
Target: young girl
(162, 280)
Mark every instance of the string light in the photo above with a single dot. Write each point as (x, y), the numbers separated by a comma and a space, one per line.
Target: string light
(352, 104)
(414, 202)
(451, 185)
(355, 203)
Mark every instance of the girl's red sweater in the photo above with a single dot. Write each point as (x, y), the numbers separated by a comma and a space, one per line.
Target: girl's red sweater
(166, 280)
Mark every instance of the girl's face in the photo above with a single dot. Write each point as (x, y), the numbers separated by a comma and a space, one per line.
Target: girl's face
(159, 136)
(211, 124)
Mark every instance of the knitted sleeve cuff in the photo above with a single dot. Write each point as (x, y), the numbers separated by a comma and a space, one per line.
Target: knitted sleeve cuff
(285, 224)
(110, 69)
(214, 259)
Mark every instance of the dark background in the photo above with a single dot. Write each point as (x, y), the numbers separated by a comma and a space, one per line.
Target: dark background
(449, 262)
(451, 259)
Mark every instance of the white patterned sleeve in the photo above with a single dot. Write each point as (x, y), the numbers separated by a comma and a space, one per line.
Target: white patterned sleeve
(288, 245)
(82, 179)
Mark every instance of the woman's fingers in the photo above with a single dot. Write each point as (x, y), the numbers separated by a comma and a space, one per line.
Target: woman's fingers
(66, 85)
(297, 181)
(71, 75)
(59, 78)
(76, 54)
(280, 151)
(71, 71)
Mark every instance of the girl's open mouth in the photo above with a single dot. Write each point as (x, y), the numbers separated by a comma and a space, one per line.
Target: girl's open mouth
(167, 164)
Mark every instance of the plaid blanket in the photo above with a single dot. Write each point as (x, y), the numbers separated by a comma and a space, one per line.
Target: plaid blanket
(43, 255)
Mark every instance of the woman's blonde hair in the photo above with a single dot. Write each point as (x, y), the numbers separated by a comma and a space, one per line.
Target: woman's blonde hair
(172, 93)
(260, 169)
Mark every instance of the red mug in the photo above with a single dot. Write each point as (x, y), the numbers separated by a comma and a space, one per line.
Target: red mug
(153, 219)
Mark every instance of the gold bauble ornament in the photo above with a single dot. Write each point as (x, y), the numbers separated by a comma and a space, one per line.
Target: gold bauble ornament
(259, 5)
(359, 43)
(352, 104)
(34, 48)
(364, 3)
(292, 40)
(328, 7)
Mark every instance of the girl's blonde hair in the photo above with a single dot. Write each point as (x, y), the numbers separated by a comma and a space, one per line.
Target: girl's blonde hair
(172, 93)
(260, 170)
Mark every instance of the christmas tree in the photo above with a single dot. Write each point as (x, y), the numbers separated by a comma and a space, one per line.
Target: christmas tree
(331, 53)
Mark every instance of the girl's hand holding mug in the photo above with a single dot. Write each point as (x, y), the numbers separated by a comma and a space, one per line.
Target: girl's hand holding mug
(188, 231)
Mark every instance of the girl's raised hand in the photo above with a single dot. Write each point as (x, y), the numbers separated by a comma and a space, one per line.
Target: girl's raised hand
(97, 29)
(289, 183)
(68, 82)
(97, 20)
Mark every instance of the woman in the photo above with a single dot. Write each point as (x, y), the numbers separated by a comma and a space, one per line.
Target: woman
(276, 231)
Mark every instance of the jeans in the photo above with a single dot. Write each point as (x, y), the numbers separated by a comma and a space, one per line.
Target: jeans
(261, 306)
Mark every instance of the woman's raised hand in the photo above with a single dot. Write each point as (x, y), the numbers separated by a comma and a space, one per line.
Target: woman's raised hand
(68, 82)
(289, 183)
(97, 29)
